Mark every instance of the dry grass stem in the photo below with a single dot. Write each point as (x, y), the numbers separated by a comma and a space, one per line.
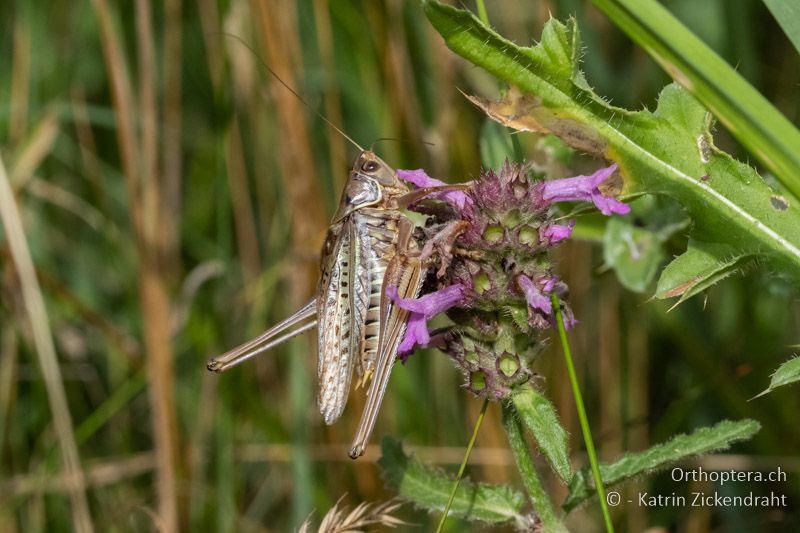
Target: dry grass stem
(172, 145)
(20, 80)
(35, 150)
(139, 162)
(98, 474)
(243, 216)
(46, 352)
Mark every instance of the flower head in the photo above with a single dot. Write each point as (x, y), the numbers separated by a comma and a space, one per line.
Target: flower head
(498, 281)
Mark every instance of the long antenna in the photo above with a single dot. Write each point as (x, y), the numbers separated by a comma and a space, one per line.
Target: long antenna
(402, 140)
(290, 89)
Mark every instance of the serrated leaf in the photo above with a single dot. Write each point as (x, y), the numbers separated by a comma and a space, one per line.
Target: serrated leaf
(539, 415)
(429, 488)
(702, 265)
(634, 245)
(669, 151)
(680, 447)
(750, 117)
(788, 372)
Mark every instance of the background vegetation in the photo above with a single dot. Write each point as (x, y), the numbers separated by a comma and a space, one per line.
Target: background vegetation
(174, 197)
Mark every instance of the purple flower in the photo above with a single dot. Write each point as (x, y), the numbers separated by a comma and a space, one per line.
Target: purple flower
(537, 300)
(421, 310)
(421, 179)
(540, 307)
(556, 232)
(585, 188)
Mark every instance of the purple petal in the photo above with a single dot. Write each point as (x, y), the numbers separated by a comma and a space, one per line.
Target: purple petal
(421, 310)
(608, 205)
(535, 297)
(548, 284)
(421, 179)
(416, 335)
(568, 316)
(557, 232)
(431, 304)
(585, 188)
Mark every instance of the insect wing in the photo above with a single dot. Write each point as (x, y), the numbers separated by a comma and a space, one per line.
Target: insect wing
(341, 311)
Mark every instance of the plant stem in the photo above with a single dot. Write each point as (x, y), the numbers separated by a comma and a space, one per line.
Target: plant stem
(463, 465)
(587, 434)
(527, 471)
(482, 13)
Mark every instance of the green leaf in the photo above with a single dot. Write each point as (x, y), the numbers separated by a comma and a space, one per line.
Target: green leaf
(429, 488)
(669, 151)
(750, 117)
(539, 415)
(788, 372)
(702, 265)
(634, 245)
(788, 16)
(680, 447)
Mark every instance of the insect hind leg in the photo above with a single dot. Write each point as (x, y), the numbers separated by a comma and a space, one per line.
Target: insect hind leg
(274, 336)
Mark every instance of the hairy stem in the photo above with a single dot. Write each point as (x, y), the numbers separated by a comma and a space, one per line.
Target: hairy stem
(527, 471)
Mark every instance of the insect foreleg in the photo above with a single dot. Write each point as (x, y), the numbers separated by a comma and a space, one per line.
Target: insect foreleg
(442, 242)
(274, 336)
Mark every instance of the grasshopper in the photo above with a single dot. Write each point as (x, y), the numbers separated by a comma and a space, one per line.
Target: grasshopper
(369, 246)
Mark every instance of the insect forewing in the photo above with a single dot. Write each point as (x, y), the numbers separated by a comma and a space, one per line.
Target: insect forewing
(274, 336)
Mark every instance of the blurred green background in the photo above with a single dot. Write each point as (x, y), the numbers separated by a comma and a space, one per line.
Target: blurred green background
(174, 197)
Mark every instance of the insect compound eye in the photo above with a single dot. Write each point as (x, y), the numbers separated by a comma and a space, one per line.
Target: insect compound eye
(369, 166)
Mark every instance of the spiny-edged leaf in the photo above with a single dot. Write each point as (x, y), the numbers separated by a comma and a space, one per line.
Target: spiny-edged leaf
(539, 415)
(750, 117)
(429, 487)
(788, 372)
(669, 151)
(634, 245)
(702, 265)
(680, 447)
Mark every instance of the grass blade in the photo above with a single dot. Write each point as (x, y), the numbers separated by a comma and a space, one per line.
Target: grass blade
(750, 117)
(788, 16)
(463, 465)
(46, 351)
(587, 434)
